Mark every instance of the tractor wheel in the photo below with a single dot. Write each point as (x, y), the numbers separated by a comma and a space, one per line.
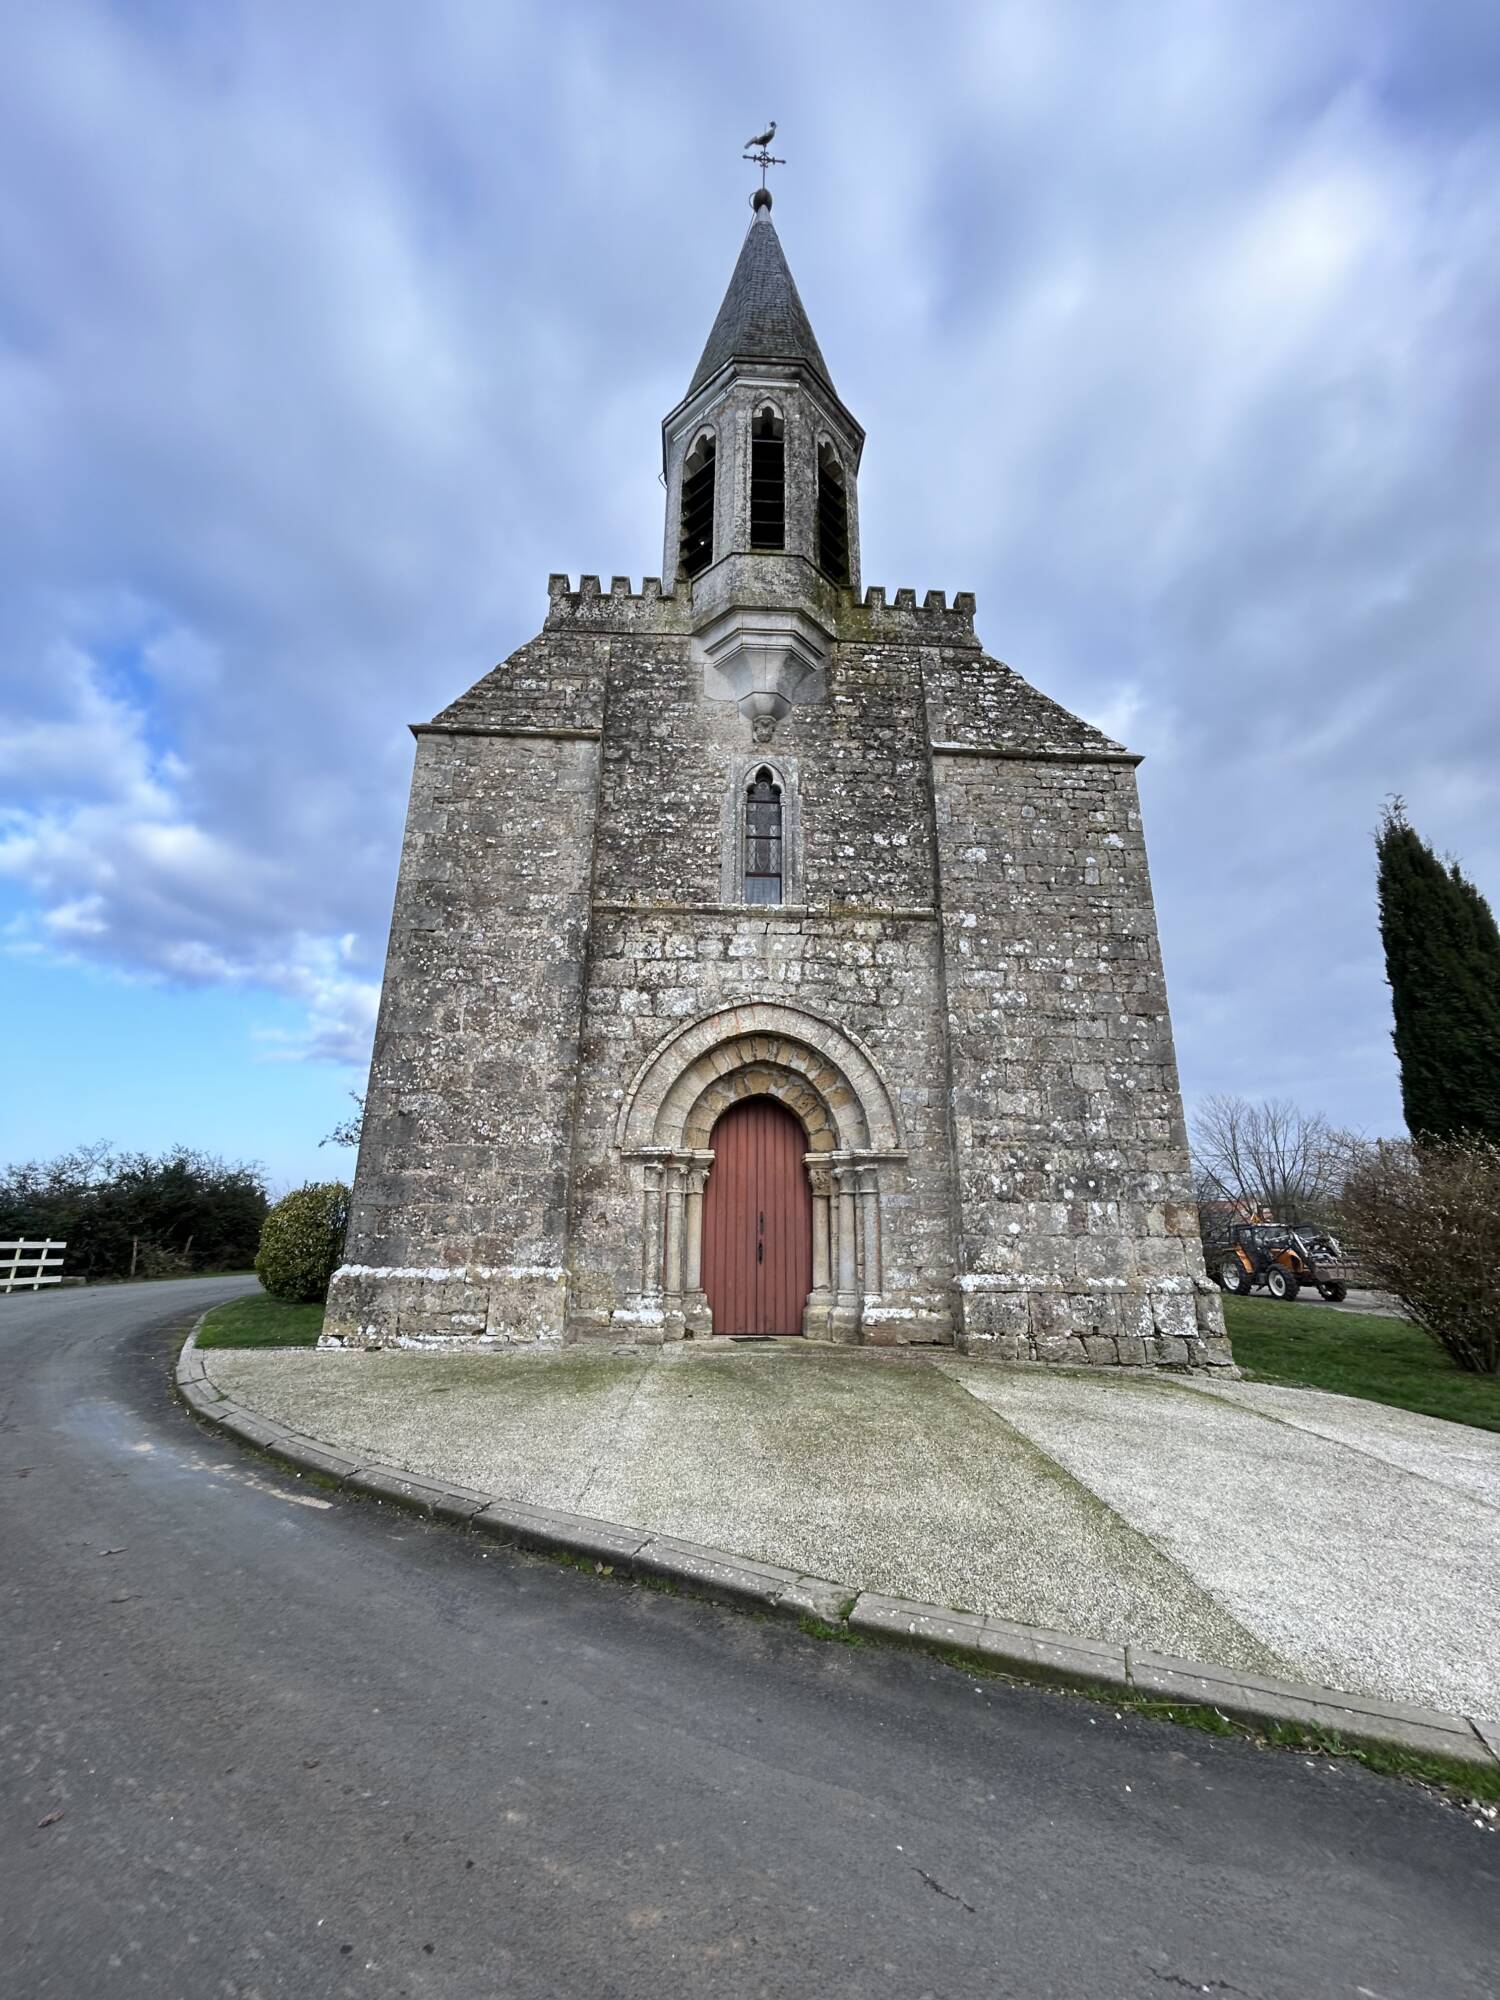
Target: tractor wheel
(1334, 1293)
(1233, 1276)
(1282, 1283)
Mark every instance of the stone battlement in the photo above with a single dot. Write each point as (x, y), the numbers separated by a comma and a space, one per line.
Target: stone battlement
(621, 608)
(874, 616)
(934, 600)
(934, 621)
(590, 590)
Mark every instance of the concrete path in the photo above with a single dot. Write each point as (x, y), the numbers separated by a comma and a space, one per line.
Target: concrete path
(257, 1740)
(1280, 1531)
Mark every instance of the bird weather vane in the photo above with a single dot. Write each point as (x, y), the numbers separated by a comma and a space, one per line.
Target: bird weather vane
(758, 151)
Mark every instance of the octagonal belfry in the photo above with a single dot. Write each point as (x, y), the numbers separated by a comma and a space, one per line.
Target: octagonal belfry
(769, 959)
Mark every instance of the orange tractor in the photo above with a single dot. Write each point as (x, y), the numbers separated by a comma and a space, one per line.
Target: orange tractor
(1281, 1260)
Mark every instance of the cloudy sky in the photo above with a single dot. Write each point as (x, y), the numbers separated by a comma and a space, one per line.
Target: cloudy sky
(326, 332)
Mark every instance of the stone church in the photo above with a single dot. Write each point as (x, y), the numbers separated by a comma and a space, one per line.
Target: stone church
(767, 959)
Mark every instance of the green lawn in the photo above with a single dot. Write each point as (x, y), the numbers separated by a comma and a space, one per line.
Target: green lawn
(1357, 1354)
(261, 1321)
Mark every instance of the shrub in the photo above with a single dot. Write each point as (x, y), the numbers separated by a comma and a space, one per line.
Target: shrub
(1425, 1219)
(124, 1212)
(302, 1242)
(154, 1260)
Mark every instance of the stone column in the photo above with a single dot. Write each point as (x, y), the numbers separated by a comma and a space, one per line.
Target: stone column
(845, 1318)
(639, 1316)
(848, 1242)
(651, 1230)
(696, 1314)
(822, 1266)
(820, 1300)
(673, 1322)
(869, 1218)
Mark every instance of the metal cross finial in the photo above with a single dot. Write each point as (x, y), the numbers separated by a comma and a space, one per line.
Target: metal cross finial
(759, 152)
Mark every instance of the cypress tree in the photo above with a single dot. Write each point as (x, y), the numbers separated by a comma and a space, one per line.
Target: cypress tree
(1442, 958)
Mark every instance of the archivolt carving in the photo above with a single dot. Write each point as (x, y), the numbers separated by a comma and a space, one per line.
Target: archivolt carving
(754, 1077)
(815, 1068)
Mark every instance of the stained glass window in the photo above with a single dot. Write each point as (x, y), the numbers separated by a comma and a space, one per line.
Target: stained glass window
(763, 839)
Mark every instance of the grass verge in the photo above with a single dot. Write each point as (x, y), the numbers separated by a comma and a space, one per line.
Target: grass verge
(261, 1321)
(1357, 1354)
(1466, 1784)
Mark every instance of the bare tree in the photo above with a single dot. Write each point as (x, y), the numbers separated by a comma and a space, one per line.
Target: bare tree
(1269, 1158)
(346, 1132)
(1426, 1219)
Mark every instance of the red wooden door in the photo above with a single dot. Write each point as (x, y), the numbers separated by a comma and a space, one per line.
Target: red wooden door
(757, 1221)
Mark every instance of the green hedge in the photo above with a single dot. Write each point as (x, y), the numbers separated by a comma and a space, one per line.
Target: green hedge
(302, 1242)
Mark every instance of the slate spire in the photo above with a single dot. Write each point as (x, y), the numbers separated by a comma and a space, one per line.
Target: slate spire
(760, 457)
(762, 317)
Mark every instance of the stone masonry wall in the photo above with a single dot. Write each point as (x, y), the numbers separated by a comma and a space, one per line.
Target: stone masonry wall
(859, 946)
(459, 1215)
(1079, 1236)
(876, 977)
(967, 898)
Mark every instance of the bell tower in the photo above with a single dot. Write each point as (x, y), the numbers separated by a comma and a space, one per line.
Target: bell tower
(761, 464)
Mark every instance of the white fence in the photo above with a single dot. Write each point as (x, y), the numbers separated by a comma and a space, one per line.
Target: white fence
(26, 1267)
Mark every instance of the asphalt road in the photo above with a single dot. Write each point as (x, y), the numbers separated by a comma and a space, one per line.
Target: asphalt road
(307, 1747)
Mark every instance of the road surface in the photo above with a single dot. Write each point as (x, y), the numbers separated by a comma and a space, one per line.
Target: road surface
(258, 1741)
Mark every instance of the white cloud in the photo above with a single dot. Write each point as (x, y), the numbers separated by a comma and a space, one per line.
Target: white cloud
(119, 875)
(1173, 331)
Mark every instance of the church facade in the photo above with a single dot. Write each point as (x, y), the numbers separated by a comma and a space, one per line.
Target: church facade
(768, 959)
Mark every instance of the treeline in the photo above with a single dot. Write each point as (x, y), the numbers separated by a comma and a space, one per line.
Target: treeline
(132, 1214)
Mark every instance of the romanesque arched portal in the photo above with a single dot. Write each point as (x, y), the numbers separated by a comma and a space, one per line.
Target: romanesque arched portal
(830, 1084)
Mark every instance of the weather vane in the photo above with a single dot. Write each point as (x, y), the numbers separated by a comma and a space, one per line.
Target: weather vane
(758, 153)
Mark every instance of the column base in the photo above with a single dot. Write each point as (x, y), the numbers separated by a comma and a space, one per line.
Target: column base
(816, 1315)
(673, 1319)
(843, 1321)
(640, 1319)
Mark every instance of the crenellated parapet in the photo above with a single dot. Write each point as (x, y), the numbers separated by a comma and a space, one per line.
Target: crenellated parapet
(933, 622)
(875, 616)
(620, 608)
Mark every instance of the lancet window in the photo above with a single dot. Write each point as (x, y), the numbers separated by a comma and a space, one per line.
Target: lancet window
(763, 839)
(767, 480)
(696, 544)
(833, 517)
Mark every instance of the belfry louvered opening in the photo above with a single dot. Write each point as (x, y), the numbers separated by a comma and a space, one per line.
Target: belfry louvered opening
(767, 481)
(695, 548)
(763, 839)
(833, 517)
